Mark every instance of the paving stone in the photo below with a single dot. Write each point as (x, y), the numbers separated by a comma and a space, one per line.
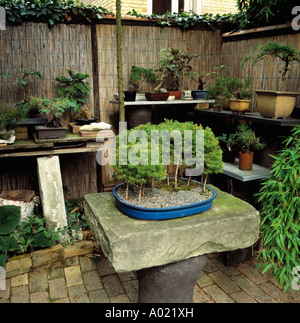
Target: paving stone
(87, 264)
(217, 294)
(73, 276)
(265, 299)
(248, 271)
(227, 285)
(112, 285)
(242, 297)
(204, 280)
(5, 294)
(119, 299)
(98, 296)
(210, 267)
(132, 289)
(247, 285)
(78, 294)
(58, 288)
(38, 281)
(39, 297)
(200, 296)
(62, 300)
(56, 270)
(72, 261)
(104, 267)
(276, 293)
(92, 280)
(127, 276)
(19, 294)
(19, 280)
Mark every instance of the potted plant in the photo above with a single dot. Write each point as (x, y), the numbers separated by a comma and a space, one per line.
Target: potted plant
(145, 179)
(179, 65)
(10, 117)
(137, 78)
(216, 91)
(240, 93)
(228, 143)
(201, 79)
(55, 107)
(248, 142)
(276, 104)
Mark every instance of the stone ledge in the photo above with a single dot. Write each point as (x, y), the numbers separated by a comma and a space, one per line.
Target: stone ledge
(25, 263)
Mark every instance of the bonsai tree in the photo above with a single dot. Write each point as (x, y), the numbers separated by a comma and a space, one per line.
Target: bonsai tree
(55, 107)
(140, 75)
(164, 65)
(142, 171)
(287, 54)
(202, 78)
(10, 117)
(229, 141)
(248, 139)
(74, 88)
(178, 65)
(279, 210)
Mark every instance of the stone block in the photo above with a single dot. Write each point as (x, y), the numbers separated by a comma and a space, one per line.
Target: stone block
(47, 256)
(132, 244)
(79, 248)
(18, 265)
(51, 192)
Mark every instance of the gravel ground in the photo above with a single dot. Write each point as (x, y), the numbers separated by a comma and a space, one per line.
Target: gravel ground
(157, 198)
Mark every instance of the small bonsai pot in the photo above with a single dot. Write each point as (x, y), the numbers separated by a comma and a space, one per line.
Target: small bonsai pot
(82, 122)
(129, 95)
(177, 94)
(239, 105)
(153, 96)
(229, 156)
(198, 94)
(245, 160)
(44, 132)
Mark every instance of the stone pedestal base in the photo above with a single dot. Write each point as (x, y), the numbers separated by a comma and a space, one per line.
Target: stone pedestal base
(171, 283)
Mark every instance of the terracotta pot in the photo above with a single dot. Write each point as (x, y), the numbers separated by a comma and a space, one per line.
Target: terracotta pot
(245, 160)
(275, 104)
(177, 94)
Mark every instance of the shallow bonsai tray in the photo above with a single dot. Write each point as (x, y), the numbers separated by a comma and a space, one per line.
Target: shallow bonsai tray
(44, 132)
(143, 213)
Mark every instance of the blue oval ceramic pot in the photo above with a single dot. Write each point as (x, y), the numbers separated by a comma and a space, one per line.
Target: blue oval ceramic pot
(198, 94)
(162, 213)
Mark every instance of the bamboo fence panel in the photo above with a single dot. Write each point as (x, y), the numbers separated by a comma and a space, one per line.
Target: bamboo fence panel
(265, 74)
(49, 50)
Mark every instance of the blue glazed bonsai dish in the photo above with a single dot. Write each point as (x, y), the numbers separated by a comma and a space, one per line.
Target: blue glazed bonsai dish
(143, 213)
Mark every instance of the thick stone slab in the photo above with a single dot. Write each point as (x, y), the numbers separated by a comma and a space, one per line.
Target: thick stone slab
(131, 244)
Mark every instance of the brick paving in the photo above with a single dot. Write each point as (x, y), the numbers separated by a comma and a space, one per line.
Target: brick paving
(90, 279)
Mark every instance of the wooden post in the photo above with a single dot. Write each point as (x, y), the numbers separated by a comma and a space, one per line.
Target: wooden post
(120, 61)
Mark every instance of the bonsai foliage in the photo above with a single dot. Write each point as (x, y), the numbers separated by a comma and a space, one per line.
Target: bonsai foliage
(141, 158)
(280, 204)
(10, 117)
(230, 88)
(287, 54)
(228, 140)
(54, 106)
(140, 75)
(248, 139)
(74, 88)
(203, 78)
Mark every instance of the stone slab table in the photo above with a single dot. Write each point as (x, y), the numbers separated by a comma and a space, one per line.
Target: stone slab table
(169, 255)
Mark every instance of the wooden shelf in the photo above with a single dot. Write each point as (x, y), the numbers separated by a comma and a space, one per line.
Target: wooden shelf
(250, 116)
(257, 172)
(168, 102)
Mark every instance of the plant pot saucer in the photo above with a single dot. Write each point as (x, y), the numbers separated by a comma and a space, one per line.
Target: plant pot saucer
(163, 213)
(82, 122)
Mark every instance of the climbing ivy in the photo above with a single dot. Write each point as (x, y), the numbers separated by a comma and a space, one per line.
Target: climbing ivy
(51, 11)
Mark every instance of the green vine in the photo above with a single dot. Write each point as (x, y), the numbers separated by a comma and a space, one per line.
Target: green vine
(51, 11)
